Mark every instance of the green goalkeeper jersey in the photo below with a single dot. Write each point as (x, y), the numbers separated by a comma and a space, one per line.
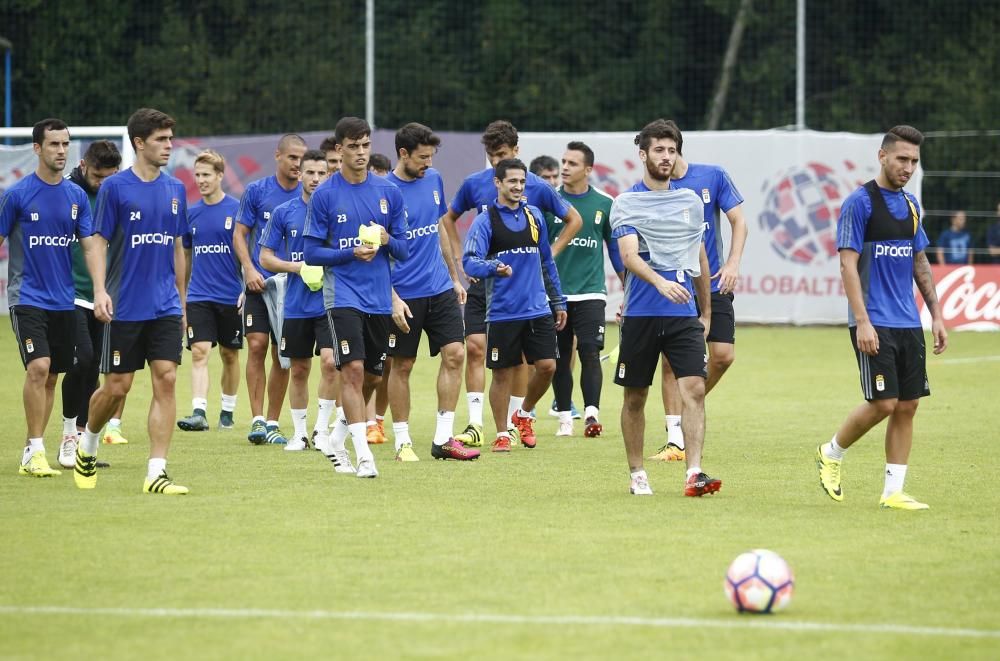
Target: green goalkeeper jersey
(581, 263)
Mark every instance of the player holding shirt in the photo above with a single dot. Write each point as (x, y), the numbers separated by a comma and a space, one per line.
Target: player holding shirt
(357, 289)
(426, 297)
(477, 192)
(141, 212)
(305, 332)
(882, 252)
(258, 201)
(41, 214)
(215, 286)
(508, 247)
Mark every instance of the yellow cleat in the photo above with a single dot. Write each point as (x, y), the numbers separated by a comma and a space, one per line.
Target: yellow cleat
(829, 475)
(669, 452)
(85, 471)
(901, 501)
(163, 484)
(472, 437)
(38, 466)
(406, 453)
(113, 436)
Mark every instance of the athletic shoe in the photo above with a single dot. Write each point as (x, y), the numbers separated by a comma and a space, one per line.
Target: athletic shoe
(67, 450)
(226, 420)
(701, 484)
(531, 414)
(554, 411)
(565, 428)
(258, 432)
(453, 450)
(829, 475)
(501, 444)
(472, 437)
(274, 435)
(38, 466)
(113, 436)
(194, 422)
(85, 470)
(669, 452)
(366, 468)
(163, 484)
(640, 486)
(321, 442)
(901, 501)
(593, 428)
(341, 461)
(406, 453)
(524, 427)
(375, 433)
(297, 445)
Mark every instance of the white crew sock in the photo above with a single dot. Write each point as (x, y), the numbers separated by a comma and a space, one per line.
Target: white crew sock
(115, 422)
(228, 403)
(675, 434)
(833, 451)
(475, 400)
(90, 441)
(36, 445)
(445, 427)
(694, 470)
(299, 422)
(326, 409)
(338, 436)
(340, 416)
(565, 416)
(591, 412)
(258, 417)
(513, 406)
(401, 432)
(157, 466)
(69, 426)
(361, 449)
(272, 423)
(199, 403)
(895, 474)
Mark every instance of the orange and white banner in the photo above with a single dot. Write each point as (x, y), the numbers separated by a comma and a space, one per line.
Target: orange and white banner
(969, 297)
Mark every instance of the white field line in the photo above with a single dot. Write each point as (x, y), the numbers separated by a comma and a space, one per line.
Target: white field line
(963, 361)
(773, 623)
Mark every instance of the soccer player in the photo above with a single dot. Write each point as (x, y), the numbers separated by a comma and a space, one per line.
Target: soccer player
(142, 213)
(478, 192)
(333, 157)
(41, 214)
(547, 168)
(380, 164)
(305, 332)
(719, 195)
(258, 201)
(581, 273)
(659, 315)
(355, 222)
(214, 289)
(882, 247)
(508, 248)
(427, 296)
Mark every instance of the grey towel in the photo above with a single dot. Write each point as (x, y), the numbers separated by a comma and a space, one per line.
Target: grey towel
(670, 224)
(274, 299)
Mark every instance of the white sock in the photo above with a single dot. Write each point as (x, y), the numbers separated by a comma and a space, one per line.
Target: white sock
(199, 403)
(565, 416)
(445, 427)
(69, 426)
(379, 418)
(475, 400)
(591, 412)
(694, 470)
(36, 445)
(894, 476)
(326, 409)
(675, 434)
(258, 417)
(340, 416)
(338, 436)
(833, 451)
(157, 466)
(369, 423)
(638, 473)
(299, 422)
(228, 403)
(513, 406)
(401, 432)
(272, 423)
(115, 422)
(361, 449)
(90, 441)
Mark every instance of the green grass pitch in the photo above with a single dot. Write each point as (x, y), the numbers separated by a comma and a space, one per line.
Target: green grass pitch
(539, 554)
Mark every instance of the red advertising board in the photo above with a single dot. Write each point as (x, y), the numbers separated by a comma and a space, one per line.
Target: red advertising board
(969, 296)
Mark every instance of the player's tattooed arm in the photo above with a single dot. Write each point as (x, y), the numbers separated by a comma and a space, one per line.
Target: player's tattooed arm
(925, 283)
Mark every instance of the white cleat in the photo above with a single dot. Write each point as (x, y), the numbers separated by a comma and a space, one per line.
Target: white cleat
(322, 443)
(341, 461)
(67, 451)
(366, 468)
(297, 445)
(640, 486)
(565, 429)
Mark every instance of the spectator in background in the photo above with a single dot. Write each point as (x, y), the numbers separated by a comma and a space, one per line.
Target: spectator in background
(954, 243)
(379, 164)
(993, 239)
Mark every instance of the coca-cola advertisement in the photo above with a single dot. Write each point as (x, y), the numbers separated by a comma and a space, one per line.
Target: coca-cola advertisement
(969, 297)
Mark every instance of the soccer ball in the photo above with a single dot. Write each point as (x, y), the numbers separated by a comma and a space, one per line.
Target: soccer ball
(759, 581)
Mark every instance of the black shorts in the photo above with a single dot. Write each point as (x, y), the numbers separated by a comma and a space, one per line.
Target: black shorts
(255, 318)
(129, 345)
(506, 341)
(585, 321)
(304, 337)
(723, 328)
(208, 321)
(359, 336)
(45, 334)
(475, 309)
(643, 339)
(899, 371)
(439, 316)
(89, 335)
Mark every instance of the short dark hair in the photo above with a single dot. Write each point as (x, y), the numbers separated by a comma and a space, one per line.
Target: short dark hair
(498, 134)
(904, 133)
(144, 121)
(102, 154)
(659, 129)
(314, 155)
(588, 153)
(290, 139)
(328, 144)
(50, 124)
(351, 128)
(379, 161)
(540, 164)
(412, 135)
(500, 171)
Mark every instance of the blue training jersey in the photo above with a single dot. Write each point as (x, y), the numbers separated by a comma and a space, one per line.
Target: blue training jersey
(258, 202)
(641, 298)
(719, 194)
(215, 272)
(337, 210)
(478, 192)
(141, 221)
(40, 222)
(284, 234)
(424, 273)
(885, 267)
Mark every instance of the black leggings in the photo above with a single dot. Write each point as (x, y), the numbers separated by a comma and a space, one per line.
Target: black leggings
(591, 378)
(81, 382)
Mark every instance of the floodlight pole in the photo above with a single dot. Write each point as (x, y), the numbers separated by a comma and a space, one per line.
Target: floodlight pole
(370, 62)
(800, 65)
(8, 103)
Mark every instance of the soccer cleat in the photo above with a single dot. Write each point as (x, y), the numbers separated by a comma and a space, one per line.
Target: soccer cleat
(366, 468)
(38, 466)
(901, 501)
(274, 435)
(406, 453)
(524, 426)
(554, 411)
(565, 428)
(701, 484)
(829, 475)
(453, 450)
(501, 444)
(163, 484)
(258, 432)
(85, 470)
(472, 437)
(226, 420)
(194, 422)
(593, 428)
(321, 442)
(669, 452)
(297, 445)
(113, 436)
(375, 434)
(640, 486)
(67, 451)
(341, 461)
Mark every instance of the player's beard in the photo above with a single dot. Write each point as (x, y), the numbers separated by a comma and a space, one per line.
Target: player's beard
(654, 171)
(417, 173)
